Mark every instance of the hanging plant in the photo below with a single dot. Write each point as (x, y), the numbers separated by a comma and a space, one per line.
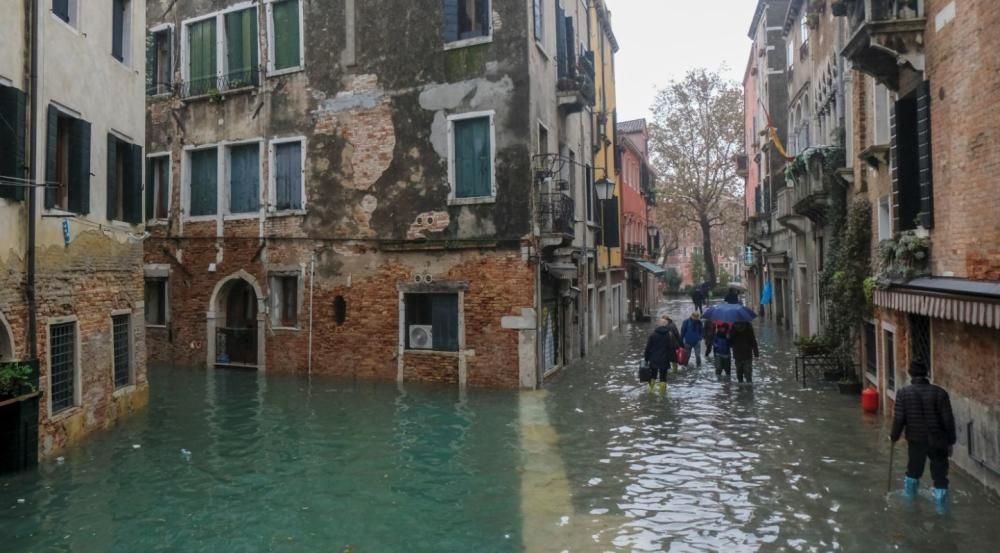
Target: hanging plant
(905, 258)
(15, 379)
(843, 282)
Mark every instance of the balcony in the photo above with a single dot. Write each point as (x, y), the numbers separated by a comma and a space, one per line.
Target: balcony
(216, 86)
(815, 176)
(759, 231)
(742, 165)
(785, 212)
(635, 251)
(557, 214)
(575, 87)
(887, 39)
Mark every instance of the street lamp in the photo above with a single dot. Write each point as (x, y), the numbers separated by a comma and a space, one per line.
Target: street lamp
(605, 190)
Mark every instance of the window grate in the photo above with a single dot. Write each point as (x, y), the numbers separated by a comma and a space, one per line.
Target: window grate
(920, 341)
(62, 344)
(890, 359)
(123, 373)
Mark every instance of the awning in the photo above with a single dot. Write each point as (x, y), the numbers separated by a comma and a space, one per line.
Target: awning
(966, 301)
(651, 268)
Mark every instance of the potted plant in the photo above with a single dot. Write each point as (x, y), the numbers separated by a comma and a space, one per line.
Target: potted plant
(812, 345)
(16, 380)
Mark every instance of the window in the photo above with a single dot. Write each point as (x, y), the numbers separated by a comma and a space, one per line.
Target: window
(121, 30)
(67, 162)
(244, 178)
(121, 326)
(13, 143)
(871, 353)
(216, 65)
(804, 29)
(158, 188)
(156, 301)
(202, 70)
(286, 36)
(203, 182)
(589, 183)
(472, 169)
(881, 113)
(67, 10)
(241, 49)
(159, 61)
(543, 139)
(884, 219)
(287, 175)
(889, 342)
(539, 11)
(62, 366)
(340, 310)
(440, 312)
(911, 154)
(790, 54)
(466, 20)
(285, 300)
(920, 341)
(124, 181)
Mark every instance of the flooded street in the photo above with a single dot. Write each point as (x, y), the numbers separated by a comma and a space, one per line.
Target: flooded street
(235, 462)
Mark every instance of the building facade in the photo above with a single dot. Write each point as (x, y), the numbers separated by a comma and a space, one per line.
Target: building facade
(640, 235)
(324, 176)
(71, 220)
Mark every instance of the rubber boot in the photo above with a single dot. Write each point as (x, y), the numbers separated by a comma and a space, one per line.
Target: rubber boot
(910, 487)
(652, 385)
(941, 500)
(663, 387)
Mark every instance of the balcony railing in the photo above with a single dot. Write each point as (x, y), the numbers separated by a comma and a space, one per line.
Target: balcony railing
(635, 251)
(558, 214)
(209, 86)
(236, 346)
(575, 89)
(886, 38)
(742, 165)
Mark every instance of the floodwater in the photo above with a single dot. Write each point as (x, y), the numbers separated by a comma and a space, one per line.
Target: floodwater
(228, 461)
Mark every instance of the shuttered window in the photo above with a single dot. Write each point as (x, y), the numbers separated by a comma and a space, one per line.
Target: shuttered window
(159, 62)
(539, 21)
(288, 176)
(67, 162)
(119, 28)
(473, 157)
(61, 9)
(609, 235)
(124, 193)
(241, 48)
(12, 142)
(285, 300)
(156, 301)
(465, 19)
(440, 312)
(244, 178)
(286, 32)
(201, 57)
(204, 182)
(157, 188)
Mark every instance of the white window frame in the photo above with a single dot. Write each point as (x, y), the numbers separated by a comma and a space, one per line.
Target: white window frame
(150, 220)
(452, 198)
(169, 27)
(881, 127)
(891, 329)
(272, 177)
(186, 186)
(273, 298)
(131, 350)
(485, 39)
(885, 220)
(127, 30)
(74, 15)
(157, 272)
(223, 189)
(221, 67)
(271, 71)
(77, 370)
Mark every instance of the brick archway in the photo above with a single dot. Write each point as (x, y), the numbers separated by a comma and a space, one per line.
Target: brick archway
(7, 350)
(216, 319)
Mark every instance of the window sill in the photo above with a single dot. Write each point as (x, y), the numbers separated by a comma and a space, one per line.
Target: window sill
(286, 329)
(125, 390)
(472, 201)
(67, 24)
(157, 223)
(160, 95)
(58, 213)
(542, 50)
(465, 43)
(431, 352)
(222, 93)
(124, 64)
(156, 327)
(242, 216)
(286, 213)
(286, 71)
(200, 218)
(122, 224)
(65, 413)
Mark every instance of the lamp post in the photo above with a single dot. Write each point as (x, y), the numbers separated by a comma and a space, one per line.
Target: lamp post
(605, 191)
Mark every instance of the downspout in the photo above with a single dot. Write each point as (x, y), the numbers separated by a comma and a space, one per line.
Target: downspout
(312, 284)
(32, 158)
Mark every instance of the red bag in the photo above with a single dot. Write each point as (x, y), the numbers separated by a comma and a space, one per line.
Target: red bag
(682, 355)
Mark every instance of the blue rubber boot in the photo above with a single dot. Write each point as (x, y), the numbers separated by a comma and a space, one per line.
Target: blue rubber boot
(941, 501)
(910, 487)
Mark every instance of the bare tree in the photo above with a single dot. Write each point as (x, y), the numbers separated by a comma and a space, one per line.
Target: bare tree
(697, 130)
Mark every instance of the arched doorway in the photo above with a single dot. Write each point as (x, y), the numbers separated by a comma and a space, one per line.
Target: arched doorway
(235, 323)
(6, 341)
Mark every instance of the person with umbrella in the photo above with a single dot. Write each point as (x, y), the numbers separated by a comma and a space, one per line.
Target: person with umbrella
(742, 341)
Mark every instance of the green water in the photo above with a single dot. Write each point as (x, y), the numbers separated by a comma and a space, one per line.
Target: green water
(591, 464)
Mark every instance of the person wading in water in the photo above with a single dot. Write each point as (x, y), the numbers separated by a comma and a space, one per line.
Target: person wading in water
(660, 352)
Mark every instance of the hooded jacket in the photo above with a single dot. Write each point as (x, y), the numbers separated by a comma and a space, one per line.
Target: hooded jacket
(924, 410)
(661, 348)
(743, 341)
(691, 331)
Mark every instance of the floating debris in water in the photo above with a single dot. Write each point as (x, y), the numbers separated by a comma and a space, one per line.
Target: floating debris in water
(60, 460)
(20, 500)
(186, 454)
(136, 446)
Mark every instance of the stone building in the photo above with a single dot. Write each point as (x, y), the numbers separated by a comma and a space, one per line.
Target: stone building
(640, 236)
(339, 192)
(71, 299)
(924, 118)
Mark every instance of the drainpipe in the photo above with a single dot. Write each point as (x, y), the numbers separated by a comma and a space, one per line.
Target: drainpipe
(312, 284)
(33, 30)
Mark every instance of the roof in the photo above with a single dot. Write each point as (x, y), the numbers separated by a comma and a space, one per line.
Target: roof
(633, 126)
(651, 268)
(966, 287)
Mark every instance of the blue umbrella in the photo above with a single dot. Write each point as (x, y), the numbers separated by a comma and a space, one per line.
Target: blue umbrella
(730, 313)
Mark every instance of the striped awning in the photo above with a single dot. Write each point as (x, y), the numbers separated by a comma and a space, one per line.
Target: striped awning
(974, 311)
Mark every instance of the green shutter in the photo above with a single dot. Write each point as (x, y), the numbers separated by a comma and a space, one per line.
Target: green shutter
(113, 185)
(150, 190)
(151, 69)
(244, 179)
(12, 140)
(241, 48)
(79, 167)
(51, 153)
(473, 158)
(202, 71)
(204, 182)
(133, 185)
(286, 34)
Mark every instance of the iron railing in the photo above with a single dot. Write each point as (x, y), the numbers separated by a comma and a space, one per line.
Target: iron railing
(236, 346)
(212, 85)
(558, 213)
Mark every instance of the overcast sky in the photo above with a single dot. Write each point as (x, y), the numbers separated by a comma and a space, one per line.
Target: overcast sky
(661, 39)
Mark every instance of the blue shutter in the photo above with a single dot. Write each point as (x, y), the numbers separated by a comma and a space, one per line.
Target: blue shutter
(244, 179)
(539, 22)
(79, 167)
(444, 321)
(204, 182)
(51, 153)
(288, 175)
(12, 140)
(483, 158)
(150, 190)
(113, 185)
(450, 15)
(473, 158)
(118, 29)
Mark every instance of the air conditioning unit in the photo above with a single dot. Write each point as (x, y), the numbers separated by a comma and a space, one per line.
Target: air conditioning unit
(421, 337)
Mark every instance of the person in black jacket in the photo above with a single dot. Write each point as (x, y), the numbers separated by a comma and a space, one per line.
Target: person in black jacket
(743, 343)
(924, 411)
(661, 350)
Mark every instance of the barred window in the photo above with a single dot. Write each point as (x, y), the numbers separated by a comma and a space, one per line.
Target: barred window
(62, 366)
(920, 341)
(122, 347)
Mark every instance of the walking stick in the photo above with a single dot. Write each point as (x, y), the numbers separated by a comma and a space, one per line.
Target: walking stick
(892, 454)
